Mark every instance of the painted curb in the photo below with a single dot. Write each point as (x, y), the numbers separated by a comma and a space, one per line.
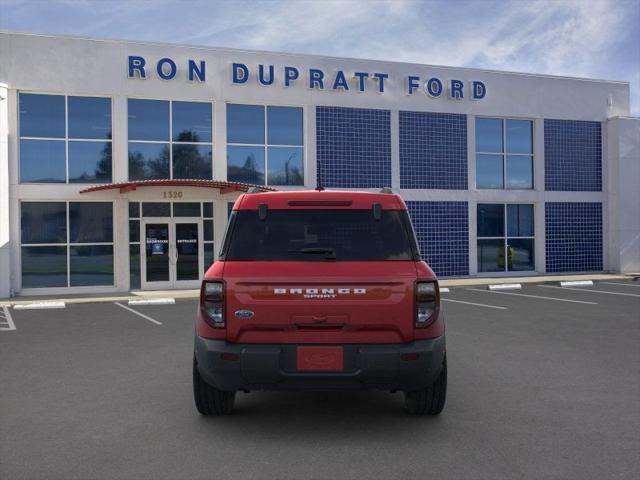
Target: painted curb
(39, 305)
(577, 283)
(505, 286)
(152, 301)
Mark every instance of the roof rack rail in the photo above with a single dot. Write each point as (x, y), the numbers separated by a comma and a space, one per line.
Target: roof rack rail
(254, 190)
(386, 190)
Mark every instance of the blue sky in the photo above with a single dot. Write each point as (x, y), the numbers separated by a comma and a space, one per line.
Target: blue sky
(584, 38)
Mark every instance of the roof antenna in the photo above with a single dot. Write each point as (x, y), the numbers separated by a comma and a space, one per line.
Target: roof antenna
(319, 186)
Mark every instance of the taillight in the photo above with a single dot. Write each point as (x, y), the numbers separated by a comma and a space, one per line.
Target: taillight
(212, 303)
(427, 303)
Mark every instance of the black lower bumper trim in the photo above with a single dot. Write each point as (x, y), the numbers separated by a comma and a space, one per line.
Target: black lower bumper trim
(408, 366)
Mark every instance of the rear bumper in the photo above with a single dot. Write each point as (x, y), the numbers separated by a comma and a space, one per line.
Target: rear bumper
(231, 366)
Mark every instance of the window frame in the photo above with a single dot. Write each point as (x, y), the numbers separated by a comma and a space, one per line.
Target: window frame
(266, 145)
(504, 154)
(170, 142)
(66, 139)
(67, 244)
(505, 238)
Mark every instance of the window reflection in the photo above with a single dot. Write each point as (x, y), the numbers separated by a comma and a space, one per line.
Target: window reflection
(192, 161)
(42, 161)
(148, 161)
(89, 117)
(41, 115)
(191, 122)
(89, 162)
(245, 164)
(285, 166)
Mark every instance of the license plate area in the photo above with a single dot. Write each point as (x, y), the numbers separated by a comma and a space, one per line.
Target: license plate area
(319, 359)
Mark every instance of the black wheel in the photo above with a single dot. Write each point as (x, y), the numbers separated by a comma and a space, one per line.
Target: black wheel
(210, 400)
(429, 401)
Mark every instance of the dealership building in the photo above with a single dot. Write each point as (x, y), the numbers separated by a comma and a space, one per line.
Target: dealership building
(120, 161)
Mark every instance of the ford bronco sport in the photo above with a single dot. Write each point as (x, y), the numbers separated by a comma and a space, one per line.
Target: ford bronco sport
(319, 290)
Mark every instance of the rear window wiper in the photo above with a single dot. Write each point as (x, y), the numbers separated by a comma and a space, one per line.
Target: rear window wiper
(329, 253)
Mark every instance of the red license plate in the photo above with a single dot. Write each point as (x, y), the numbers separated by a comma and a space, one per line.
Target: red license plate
(320, 358)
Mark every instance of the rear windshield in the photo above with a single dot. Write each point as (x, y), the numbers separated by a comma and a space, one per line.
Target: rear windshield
(319, 235)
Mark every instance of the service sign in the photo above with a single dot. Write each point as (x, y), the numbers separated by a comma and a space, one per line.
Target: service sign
(287, 76)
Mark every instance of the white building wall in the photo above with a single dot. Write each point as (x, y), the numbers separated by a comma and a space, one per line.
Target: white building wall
(48, 64)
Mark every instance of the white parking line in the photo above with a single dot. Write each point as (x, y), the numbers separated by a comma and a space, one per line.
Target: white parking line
(623, 284)
(533, 296)
(138, 313)
(8, 324)
(590, 290)
(475, 304)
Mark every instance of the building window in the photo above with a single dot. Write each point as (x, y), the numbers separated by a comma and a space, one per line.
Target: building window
(66, 244)
(170, 140)
(505, 237)
(504, 153)
(265, 145)
(65, 139)
(207, 222)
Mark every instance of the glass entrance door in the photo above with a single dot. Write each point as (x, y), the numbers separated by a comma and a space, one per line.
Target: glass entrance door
(173, 253)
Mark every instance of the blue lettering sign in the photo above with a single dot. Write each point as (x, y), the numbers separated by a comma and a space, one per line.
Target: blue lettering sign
(455, 89)
(380, 77)
(196, 71)
(316, 77)
(240, 73)
(412, 84)
(479, 90)
(290, 74)
(161, 70)
(136, 64)
(262, 79)
(433, 87)
(362, 77)
(340, 81)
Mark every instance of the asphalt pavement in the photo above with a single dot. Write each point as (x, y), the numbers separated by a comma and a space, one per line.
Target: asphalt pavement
(544, 382)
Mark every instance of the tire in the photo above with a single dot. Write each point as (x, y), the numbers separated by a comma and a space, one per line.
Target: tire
(210, 400)
(429, 401)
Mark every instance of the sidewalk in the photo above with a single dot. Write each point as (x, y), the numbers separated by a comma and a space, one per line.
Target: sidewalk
(192, 294)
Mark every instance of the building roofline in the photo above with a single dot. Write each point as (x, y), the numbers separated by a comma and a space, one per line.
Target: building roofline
(291, 54)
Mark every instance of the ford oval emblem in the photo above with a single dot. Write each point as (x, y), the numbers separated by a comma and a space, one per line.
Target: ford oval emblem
(244, 313)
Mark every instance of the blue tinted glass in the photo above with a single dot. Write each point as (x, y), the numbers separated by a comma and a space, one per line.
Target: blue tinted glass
(44, 267)
(520, 254)
(520, 220)
(41, 115)
(519, 136)
(284, 126)
(43, 222)
(245, 164)
(519, 171)
(245, 124)
(89, 162)
(208, 230)
(207, 210)
(148, 161)
(42, 161)
(91, 265)
(489, 171)
(490, 220)
(134, 267)
(148, 120)
(192, 161)
(491, 256)
(90, 222)
(89, 117)
(191, 122)
(285, 166)
(134, 230)
(489, 135)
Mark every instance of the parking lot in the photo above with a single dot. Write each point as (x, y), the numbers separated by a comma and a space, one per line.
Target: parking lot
(544, 382)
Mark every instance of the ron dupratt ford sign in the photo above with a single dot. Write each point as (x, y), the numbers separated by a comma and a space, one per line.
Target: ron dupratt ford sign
(314, 78)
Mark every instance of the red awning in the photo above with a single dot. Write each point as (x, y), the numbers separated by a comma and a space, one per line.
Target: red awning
(224, 187)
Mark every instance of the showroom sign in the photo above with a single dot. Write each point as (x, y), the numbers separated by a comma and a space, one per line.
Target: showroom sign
(313, 78)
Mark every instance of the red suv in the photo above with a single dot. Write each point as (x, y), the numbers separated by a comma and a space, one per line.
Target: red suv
(319, 290)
